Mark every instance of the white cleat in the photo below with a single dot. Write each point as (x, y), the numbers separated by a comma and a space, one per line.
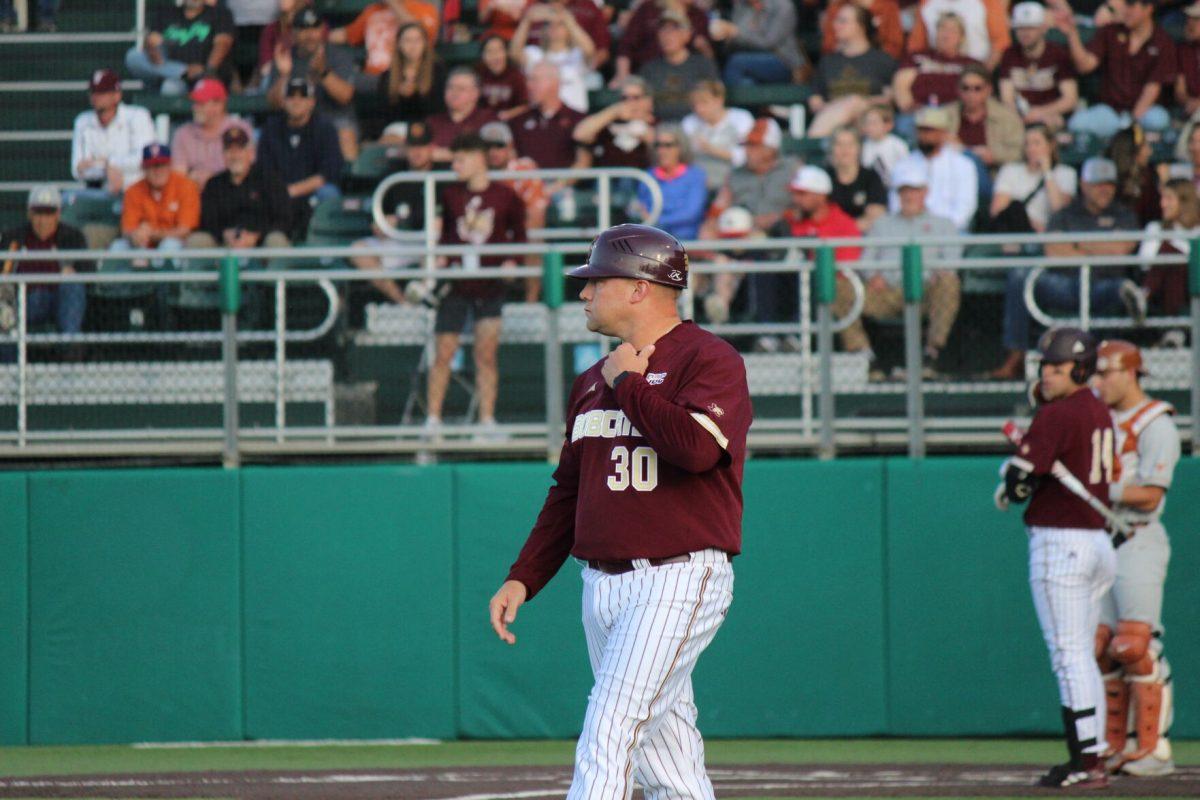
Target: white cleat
(1149, 767)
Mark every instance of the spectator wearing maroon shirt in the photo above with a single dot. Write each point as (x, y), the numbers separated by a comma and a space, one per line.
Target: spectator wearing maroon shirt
(1136, 59)
(502, 84)
(620, 135)
(545, 133)
(930, 78)
(1036, 77)
(986, 128)
(475, 211)
(63, 303)
(1187, 52)
(463, 114)
(639, 41)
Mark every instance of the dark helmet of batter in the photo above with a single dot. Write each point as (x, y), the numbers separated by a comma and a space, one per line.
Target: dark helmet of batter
(639, 252)
(1070, 345)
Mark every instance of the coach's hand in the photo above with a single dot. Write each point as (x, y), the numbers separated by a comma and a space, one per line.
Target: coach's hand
(504, 607)
(626, 359)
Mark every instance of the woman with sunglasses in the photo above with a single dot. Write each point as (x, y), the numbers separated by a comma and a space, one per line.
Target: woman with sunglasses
(685, 197)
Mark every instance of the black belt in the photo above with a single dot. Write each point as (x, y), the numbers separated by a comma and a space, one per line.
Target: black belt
(621, 567)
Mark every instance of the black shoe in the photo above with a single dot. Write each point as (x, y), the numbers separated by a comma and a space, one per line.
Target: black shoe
(1076, 776)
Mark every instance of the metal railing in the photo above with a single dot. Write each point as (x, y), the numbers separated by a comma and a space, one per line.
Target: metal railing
(285, 381)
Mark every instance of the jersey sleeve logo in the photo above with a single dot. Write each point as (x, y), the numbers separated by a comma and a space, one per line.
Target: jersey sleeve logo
(716, 410)
(655, 378)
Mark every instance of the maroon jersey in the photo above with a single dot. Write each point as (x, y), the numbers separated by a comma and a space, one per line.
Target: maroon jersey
(504, 91)
(1037, 79)
(548, 140)
(936, 83)
(1124, 74)
(1078, 431)
(444, 129)
(494, 216)
(632, 481)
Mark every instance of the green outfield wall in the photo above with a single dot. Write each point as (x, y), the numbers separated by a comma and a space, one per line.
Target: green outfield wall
(874, 596)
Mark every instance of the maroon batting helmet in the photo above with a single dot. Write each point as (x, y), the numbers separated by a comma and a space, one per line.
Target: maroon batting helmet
(639, 252)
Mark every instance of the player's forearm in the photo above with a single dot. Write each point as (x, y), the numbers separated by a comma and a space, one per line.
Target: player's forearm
(1143, 498)
(670, 429)
(548, 544)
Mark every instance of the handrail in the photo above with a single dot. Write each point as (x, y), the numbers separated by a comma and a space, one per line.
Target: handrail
(603, 176)
(1087, 321)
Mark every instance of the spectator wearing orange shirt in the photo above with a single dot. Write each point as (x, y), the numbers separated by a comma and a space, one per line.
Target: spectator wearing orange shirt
(161, 209)
(376, 27)
(885, 16)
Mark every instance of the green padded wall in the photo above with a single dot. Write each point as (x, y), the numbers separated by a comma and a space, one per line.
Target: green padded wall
(14, 610)
(134, 606)
(802, 651)
(537, 687)
(965, 652)
(1181, 606)
(348, 630)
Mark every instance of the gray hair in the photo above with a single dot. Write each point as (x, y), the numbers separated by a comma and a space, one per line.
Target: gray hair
(634, 80)
(675, 130)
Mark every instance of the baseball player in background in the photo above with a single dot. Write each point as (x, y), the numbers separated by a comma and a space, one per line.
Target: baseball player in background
(647, 497)
(1071, 559)
(1129, 639)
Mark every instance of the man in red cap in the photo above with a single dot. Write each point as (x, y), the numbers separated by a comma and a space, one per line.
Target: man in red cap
(107, 142)
(196, 147)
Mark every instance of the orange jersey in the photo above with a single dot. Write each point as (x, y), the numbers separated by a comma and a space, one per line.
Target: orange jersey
(177, 206)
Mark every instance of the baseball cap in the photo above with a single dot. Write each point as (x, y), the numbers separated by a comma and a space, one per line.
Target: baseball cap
(1098, 170)
(496, 133)
(300, 86)
(104, 80)
(308, 18)
(207, 89)
(933, 117)
(419, 134)
(1193, 10)
(765, 132)
(675, 17)
(811, 179)
(45, 197)
(907, 173)
(154, 154)
(734, 223)
(235, 137)
(1028, 15)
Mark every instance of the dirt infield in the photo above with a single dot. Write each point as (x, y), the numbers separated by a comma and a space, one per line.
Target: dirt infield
(519, 783)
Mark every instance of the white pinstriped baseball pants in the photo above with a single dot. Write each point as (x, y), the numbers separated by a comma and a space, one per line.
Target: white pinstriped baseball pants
(645, 631)
(1070, 569)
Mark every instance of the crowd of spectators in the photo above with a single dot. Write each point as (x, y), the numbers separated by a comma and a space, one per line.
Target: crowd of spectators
(938, 116)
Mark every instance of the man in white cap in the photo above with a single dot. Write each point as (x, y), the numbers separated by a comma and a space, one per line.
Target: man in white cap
(951, 177)
(812, 214)
(1037, 78)
(884, 296)
(62, 303)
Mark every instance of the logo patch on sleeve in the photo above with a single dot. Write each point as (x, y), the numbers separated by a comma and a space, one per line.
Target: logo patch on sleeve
(716, 410)
(655, 378)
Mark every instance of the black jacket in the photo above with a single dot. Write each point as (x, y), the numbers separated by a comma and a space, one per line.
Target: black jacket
(259, 204)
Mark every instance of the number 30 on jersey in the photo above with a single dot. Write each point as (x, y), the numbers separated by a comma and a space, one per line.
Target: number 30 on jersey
(637, 468)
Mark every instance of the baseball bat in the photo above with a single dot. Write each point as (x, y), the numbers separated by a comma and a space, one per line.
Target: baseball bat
(1122, 530)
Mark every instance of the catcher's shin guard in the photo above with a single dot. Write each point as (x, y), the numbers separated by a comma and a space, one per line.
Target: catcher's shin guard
(1116, 696)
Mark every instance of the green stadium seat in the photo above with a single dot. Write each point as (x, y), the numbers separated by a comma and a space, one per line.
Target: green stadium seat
(778, 94)
(342, 218)
(40, 111)
(36, 61)
(376, 160)
(455, 53)
(180, 107)
(80, 211)
(810, 151)
(602, 98)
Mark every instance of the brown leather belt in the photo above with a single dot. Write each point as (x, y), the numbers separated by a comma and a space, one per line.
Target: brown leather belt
(621, 567)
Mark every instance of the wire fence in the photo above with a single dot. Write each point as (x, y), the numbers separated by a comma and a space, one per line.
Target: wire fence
(850, 345)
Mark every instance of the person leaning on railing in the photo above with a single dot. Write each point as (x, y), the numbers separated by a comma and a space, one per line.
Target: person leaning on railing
(160, 210)
(64, 303)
